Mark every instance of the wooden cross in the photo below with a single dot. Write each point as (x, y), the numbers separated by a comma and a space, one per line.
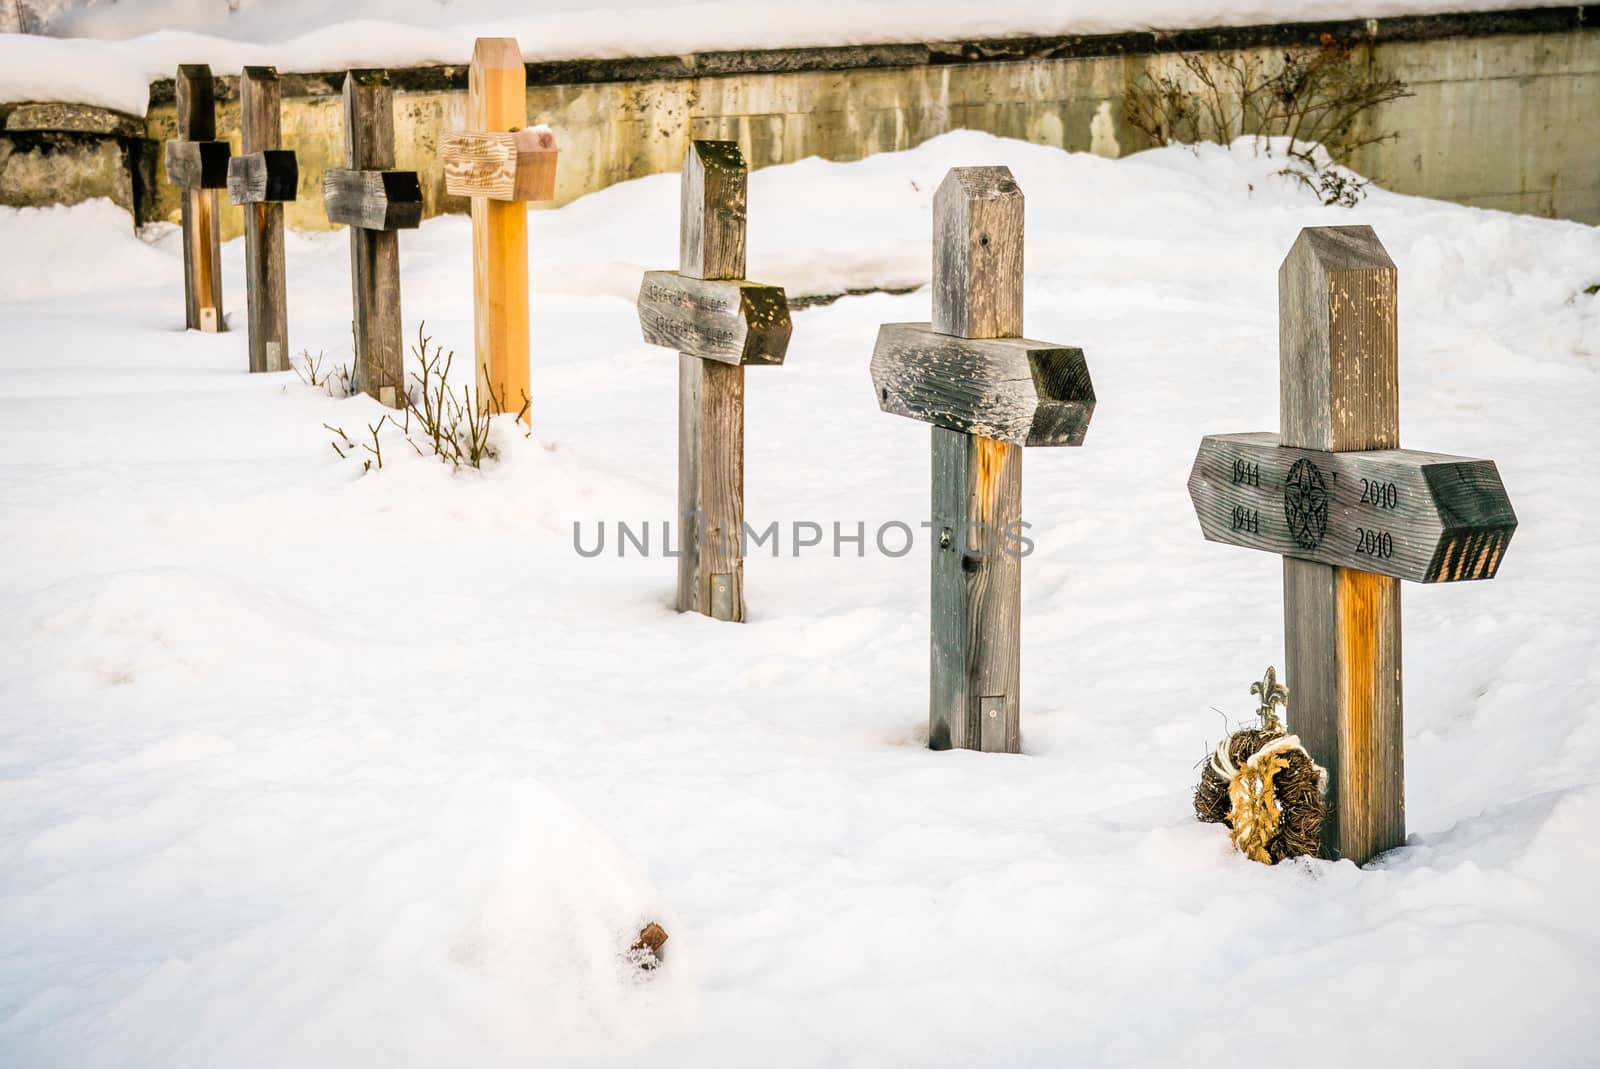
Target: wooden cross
(198, 163)
(261, 180)
(375, 201)
(718, 323)
(988, 392)
(500, 166)
(1351, 514)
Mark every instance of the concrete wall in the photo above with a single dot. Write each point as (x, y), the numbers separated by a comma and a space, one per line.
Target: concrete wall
(1506, 111)
(1507, 121)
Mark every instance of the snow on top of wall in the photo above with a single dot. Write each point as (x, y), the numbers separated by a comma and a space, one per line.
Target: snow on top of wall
(105, 53)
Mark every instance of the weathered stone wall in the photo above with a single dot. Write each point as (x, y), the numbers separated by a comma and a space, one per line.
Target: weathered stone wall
(1506, 111)
(65, 153)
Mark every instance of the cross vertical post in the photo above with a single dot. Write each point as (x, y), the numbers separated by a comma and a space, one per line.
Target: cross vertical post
(376, 201)
(497, 99)
(500, 165)
(198, 162)
(1339, 387)
(711, 396)
(1351, 514)
(718, 323)
(988, 392)
(975, 644)
(260, 180)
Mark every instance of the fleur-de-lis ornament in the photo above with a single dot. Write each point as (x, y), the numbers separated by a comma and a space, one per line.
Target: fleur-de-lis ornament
(1272, 694)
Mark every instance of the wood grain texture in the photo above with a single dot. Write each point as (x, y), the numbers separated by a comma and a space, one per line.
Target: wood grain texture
(197, 164)
(711, 488)
(1008, 389)
(264, 287)
(260, 110)
(1338, 346)
(368, 120)
(375, 254)
(196, 103)
(372, 200)
(1425, 517)
(977, 254)
(497, 100)
(202, 223)
(1339, 391)
(269, 177)
(262, 178)
(727, 320)
(975, 639)
(1371, 769)
(202, 261)
(711, 234)
(502, 166)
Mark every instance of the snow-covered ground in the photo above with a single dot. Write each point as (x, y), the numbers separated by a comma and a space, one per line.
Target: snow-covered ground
(116, 47)
(303, 767)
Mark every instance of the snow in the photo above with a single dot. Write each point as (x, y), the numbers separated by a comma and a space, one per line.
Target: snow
(153, 36)
(300, 766)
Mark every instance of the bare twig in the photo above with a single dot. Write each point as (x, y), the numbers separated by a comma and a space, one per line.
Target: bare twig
(1319, 95)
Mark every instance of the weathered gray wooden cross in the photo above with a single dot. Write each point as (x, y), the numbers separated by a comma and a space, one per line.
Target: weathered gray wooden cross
(988, 392)
(261, 180)
(718, 323)
(198, 163)
(376, 202)
(1351, 514)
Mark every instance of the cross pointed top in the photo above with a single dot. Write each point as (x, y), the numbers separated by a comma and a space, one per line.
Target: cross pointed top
(1341, 248)
(1338, 341)
(713, 192)
(977, 254)
(196, 102)
(495, 53)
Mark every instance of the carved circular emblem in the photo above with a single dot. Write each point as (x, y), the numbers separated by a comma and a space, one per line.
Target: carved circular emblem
(1305, 504)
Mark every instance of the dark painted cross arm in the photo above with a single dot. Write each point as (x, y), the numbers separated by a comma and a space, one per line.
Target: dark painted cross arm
(372, 200)
(197, 164)
(271, 176)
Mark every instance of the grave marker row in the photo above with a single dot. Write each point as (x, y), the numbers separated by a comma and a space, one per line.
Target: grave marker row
(1332, 493)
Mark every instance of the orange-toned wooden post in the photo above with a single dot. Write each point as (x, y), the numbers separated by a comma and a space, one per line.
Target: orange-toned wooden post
(500, 165)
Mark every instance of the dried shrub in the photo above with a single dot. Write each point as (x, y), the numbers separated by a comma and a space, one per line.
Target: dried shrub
(452, 423)
(1308, 96)
(436, 420)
